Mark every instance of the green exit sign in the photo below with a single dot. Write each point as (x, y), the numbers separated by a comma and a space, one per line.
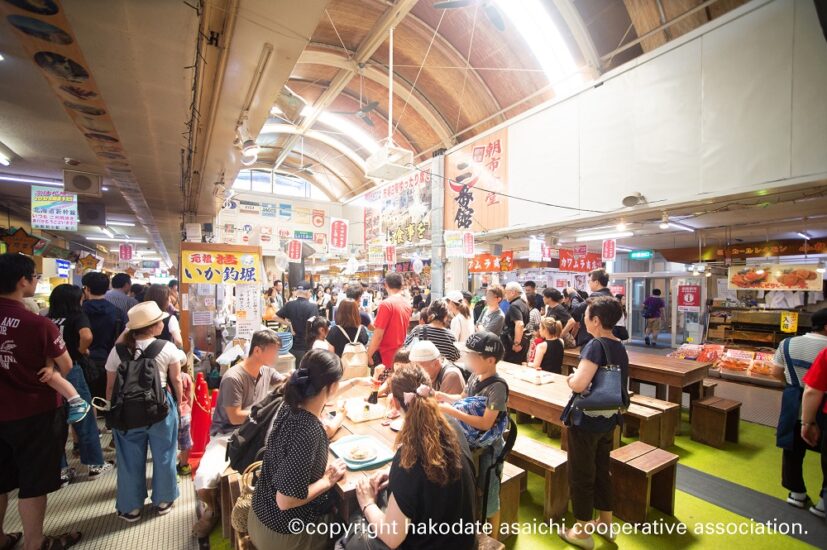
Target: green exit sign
(641, 254)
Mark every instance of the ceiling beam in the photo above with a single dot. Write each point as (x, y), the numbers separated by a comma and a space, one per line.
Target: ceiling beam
(581, 35)
(315, 160)
(367, 48)
(316, 135)
(402, 89)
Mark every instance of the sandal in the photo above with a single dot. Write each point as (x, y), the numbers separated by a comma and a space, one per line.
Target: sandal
(11, 540)
(61, 542)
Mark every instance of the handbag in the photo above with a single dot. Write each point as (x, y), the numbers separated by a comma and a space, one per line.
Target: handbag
(606, 391)
(244, 503)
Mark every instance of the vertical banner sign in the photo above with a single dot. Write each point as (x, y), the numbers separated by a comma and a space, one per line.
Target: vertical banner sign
(689, 298)
(376, 254)
(338, 235)
(468, 244)
(390, 255)
(54, 209)
(294, 251)
(609, 250)
(247, 310)
(477, 179)
(789, 321)
(535, 250)
(125, 252)
(454, 244)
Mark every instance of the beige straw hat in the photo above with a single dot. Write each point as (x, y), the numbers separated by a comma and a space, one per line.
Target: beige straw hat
(144, 315)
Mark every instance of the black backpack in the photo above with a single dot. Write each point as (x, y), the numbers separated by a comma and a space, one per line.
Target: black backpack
(138, 399)
(248, 441)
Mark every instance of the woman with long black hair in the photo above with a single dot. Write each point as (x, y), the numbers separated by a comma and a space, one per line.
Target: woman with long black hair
(66, 312)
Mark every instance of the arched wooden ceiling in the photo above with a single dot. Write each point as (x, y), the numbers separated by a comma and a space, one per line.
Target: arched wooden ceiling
(455, 73)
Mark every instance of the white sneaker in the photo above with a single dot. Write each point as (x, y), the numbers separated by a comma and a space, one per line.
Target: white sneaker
(799, 502)
(818, 510)
(96, 471)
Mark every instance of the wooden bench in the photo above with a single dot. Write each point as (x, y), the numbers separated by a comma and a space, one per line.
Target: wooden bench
(642, 475)
(670, 420)
(644, 422)
(550, 463)
(715, 420)
(513, 483)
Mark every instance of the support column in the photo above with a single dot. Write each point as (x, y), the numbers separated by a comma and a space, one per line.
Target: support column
(437, 224)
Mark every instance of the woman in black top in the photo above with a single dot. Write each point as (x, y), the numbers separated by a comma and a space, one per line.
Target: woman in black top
(590, 432)
(295, 477)
(66, 312)
(548, 355)
(348, 327)
(431, 478)
(436, 331)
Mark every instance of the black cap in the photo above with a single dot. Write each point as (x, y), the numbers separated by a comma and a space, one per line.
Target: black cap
(819, 319)
(486, 344)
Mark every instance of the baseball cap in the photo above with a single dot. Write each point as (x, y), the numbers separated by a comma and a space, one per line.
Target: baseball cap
(424, 350)
(486, 344)
(455, 296)
(819, 319)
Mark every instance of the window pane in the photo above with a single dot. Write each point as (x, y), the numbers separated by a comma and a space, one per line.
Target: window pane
(261, 181)
(242, 181)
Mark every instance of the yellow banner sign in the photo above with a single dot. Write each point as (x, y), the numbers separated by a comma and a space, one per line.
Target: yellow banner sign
(220, 267)
(789, 321)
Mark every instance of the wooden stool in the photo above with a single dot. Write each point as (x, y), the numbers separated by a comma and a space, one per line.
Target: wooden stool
(669, 422)
(552, 464)
(708, 388)
(642, 475)
(645, 422)
(715, 421)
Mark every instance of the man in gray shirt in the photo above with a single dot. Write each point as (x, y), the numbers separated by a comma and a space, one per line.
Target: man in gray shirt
(119, 295)
(242, 386)
(493, 319)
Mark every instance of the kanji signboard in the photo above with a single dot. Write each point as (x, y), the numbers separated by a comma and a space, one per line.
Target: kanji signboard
(220, 267)
(54, 209)
(338, 235)
(579, 263)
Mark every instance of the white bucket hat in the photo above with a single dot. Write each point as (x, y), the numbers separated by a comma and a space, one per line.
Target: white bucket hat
(145, 314)
(424, 350)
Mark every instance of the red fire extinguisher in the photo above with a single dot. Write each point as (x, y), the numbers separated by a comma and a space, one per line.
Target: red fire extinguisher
(201, 417)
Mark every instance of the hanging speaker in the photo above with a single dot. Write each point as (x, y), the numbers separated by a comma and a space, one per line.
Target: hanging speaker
(91, 213)
(82, 183)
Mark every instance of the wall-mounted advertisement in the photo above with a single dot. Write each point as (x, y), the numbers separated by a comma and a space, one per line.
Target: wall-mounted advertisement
(54, 209)
(399, 213)
(775, 277)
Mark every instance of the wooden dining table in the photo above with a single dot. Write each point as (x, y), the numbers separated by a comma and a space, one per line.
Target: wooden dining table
(671, 377)
(346, 487)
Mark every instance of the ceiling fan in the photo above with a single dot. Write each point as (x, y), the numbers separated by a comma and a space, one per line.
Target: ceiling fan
(491, 11)
(365, 108)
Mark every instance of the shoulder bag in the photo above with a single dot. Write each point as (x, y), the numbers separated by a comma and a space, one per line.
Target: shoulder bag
(606, 391)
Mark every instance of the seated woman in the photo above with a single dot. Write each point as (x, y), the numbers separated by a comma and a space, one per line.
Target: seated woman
(296, 476)
(437, 331)
(431, 478)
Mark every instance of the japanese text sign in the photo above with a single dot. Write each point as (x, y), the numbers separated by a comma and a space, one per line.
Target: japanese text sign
(54, 209)
(227, 267)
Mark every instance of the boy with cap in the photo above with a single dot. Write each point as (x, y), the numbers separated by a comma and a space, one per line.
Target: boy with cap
(485, 351)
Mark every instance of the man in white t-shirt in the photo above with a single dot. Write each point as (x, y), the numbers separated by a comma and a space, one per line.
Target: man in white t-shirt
(242, 386)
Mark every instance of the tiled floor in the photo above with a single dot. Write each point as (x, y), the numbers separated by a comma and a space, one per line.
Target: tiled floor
(89, 507)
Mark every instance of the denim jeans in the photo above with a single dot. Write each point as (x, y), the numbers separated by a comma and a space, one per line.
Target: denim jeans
(131, 447)
(89, 443)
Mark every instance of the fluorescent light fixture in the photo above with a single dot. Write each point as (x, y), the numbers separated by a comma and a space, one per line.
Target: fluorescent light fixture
(681, 226)
(124, 240)
(622, 249)
(104, 188)
(544, 40)
(621, 225)
(708, 274)
(4, 160)
(1, 57)
(107, 232)
(124, 224)
(804, 235)
(19, 179)
(603, 236)
(594, 228)
(664, 222)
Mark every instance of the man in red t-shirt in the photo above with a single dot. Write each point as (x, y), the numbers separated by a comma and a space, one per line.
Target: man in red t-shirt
(32, 418)
(392, 320)
(814, 391)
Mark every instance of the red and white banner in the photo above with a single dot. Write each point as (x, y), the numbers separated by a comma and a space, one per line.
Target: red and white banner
(390, 255)
(468, 244)
(125, 252)
(570, 261)
(338, 235)
(689, 298)
(609, 250)
(318, 218)
(294, 251)
(580, 251)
